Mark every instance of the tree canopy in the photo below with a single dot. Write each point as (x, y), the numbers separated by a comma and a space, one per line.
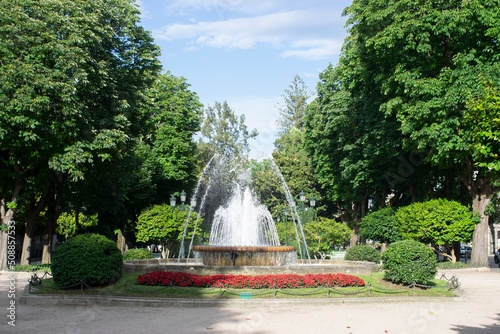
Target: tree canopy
(224, 132)
(438, 222)
(402, 117)
(428, 59)
(380, 226)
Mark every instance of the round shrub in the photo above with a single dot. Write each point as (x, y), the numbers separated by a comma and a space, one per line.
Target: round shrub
(362, 253)
(91, 258)
(137, 254)
(409, 261)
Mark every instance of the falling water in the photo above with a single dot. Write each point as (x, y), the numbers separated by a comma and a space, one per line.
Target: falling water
(294, 213)
(239, 219)
(195, 194)
(243, 222)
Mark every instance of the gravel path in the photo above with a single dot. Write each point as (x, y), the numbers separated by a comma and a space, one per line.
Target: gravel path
(477, 311)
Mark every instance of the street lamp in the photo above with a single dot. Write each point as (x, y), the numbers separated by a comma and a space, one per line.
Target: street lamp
(172, 201)
(183, 199)
(193, 203)
(312, 202)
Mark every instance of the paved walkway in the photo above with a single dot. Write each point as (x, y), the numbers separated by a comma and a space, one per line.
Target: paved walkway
(478, 311)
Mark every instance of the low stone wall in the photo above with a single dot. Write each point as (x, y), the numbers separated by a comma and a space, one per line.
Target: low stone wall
(314, 267)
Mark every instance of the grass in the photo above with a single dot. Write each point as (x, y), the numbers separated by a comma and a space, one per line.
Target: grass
(439, 289)
(31, 267)
(446, 265)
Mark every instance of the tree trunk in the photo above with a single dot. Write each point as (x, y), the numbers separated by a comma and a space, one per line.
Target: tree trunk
(26, 249)
(50, 229)
(413, 190)
(455, 251)
(8, 220)
(121, 241)
(356, 215)
(7, 215)
(34, 211)
(165, 252)
(383, 247)
(482, 194)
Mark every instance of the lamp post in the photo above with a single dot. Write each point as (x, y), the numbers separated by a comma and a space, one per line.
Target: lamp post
(312, 203)
(183, 200)
(172, 202)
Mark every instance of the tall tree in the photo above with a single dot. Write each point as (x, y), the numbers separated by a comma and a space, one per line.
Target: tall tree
(174, 118)
(289, 154)
(73, 76)
(294, 105)
(351, 145)
(428, 58)
(224, 133)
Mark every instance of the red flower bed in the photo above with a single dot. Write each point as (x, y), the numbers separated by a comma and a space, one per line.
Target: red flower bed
(165, 278)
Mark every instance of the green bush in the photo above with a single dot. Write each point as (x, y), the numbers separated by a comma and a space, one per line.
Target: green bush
(91, 258)
(409, 261)
(137, 254)
(362, 253)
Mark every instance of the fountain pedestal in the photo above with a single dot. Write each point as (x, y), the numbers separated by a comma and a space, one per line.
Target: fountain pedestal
(246, 255)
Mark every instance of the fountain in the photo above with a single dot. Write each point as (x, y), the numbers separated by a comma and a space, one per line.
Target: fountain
(238, 234)
(243, 233)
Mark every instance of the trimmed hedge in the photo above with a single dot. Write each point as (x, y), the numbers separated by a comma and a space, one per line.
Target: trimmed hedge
(362, 253)
(138, 254)
(91, 258)
(409, 261)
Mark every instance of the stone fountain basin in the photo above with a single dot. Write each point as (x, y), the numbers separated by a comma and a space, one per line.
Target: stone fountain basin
(312, 267)
(212, 255)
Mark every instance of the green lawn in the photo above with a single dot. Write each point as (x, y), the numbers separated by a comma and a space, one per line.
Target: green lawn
(378, 288)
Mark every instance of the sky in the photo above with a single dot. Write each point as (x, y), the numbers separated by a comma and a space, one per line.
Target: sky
(247, 52)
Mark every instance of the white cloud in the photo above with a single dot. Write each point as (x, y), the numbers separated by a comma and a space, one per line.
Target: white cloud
(184, 7)
(308, 34)
(313, 50)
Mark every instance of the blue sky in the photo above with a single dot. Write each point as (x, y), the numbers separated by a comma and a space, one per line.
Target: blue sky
(246, 52)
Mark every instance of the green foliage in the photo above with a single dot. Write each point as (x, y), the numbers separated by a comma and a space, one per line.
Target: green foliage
(295, 102)
(174, 117)
(137, 254)
(268, 186)
(482, 120)
(66, 223)
(322, 235)
(224, 132)
(419, 65)
(351, 144)
(32, 267)
(409, 261)
(91, 258)
(74, 77)
(162, 225)
(379, 226)
(362, 253)
(438, 221)
(452, 265)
